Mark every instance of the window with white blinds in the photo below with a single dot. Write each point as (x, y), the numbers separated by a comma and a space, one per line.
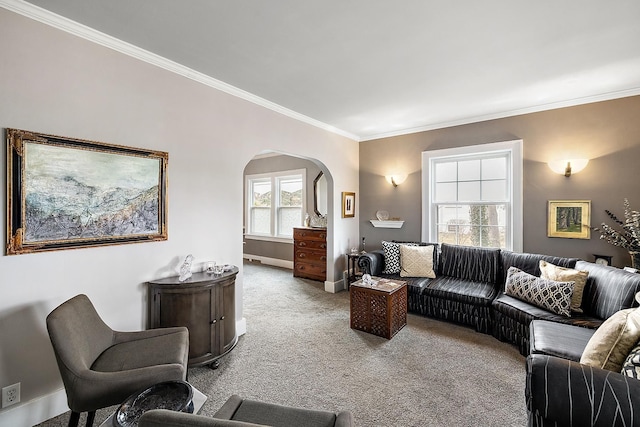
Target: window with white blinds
(473, 197)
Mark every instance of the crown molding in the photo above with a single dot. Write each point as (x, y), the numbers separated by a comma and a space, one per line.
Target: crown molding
(60, 22)
(503, 114)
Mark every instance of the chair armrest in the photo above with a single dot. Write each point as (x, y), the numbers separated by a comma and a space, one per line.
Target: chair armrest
(565, 393)
(120, 337)
(166, 418)
(372, 262)
(344, 419)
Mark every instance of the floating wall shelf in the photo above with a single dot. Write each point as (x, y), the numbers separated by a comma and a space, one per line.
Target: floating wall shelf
(386, 224)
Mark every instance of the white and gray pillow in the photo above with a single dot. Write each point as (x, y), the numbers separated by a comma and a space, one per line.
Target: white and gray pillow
(548, 294)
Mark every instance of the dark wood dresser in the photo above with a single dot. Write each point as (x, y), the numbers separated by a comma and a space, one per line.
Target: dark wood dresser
(205, 304)
(310, 253)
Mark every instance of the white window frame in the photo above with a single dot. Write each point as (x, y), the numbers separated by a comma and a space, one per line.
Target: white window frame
(514, 231)
(275, 178)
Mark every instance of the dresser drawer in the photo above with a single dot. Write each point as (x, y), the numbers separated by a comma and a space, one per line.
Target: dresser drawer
(311, 271)
(312, 256)
(310, 234)
(310, 244)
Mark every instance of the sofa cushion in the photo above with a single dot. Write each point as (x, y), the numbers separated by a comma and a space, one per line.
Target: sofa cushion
(563, 274)
(557, 339)
(612, 342)
(631, 365)
(391, 257)
(416, 261)
(391, 252)
(470, 263)
(524, 312)
(548, 294)
(608, 289)
(466, 291)
(530, 263)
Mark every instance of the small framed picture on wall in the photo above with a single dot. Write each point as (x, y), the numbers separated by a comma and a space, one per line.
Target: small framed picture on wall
(569, 219)
(348, 204)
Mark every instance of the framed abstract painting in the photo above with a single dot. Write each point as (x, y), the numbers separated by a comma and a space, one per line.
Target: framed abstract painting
(65, 193)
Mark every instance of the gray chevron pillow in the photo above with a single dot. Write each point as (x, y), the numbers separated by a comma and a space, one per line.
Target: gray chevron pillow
(545, 293)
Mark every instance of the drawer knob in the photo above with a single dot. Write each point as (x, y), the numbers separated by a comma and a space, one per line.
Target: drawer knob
(213, 321)
(222, 318)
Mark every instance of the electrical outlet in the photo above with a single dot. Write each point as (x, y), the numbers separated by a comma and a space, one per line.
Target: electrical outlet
(10, 395)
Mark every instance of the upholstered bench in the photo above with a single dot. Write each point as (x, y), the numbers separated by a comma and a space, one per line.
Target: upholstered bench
(239, 412)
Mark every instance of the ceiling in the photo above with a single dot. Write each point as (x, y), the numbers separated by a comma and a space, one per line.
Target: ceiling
(373, 68)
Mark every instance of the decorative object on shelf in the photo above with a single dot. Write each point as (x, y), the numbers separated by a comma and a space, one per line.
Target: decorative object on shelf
(65, 193)
(569, 219)
(567, 167)
(208, 267)
(386, 224)
(382, 215)
(318, 221)
(363, 246)
(307, 220)
(218, 269)
(185, 268)
(348, 204)
(629, 235)
(602, 259)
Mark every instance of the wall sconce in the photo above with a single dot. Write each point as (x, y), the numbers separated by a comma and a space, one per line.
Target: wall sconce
(396, 179)
(568, 166)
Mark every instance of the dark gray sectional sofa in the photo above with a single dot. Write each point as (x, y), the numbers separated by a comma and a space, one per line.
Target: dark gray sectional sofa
(470, 281)
(469, 289)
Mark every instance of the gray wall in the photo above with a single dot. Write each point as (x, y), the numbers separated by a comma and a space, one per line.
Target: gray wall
(277, 250)
(608, 133)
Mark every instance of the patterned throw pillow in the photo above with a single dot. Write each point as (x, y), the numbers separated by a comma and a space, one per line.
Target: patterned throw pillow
(562, 274)
(391, 257)
(547, 294)
(416, 261)
(612, 342)
(631, 366)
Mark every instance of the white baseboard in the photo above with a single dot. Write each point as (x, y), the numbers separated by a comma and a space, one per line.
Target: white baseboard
(36, 411)
(269, 261)
(335, 287)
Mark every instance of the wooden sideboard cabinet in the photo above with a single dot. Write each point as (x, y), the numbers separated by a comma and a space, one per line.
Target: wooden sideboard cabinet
(310, 253)
(205, 304)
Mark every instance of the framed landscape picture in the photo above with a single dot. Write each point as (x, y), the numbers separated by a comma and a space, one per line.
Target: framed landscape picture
(65, 193)
(569, 219)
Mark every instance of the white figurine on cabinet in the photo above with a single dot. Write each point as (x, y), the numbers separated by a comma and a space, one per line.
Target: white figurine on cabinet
(185, 269)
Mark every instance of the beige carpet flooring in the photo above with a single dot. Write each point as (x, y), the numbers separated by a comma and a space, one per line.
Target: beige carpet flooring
(300, 351)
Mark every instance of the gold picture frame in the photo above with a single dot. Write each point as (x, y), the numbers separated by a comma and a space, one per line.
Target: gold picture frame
(66, 193)
(348, 204)
(569, 219)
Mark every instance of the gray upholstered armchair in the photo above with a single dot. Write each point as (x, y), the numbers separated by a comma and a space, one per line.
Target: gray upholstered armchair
(101, 367)
(238, 412)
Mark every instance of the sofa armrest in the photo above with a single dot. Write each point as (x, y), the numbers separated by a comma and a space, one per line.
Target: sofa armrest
(564, 393)
(372, 262)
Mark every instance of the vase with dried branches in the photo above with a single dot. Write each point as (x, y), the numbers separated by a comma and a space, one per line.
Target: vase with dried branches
(626, 234)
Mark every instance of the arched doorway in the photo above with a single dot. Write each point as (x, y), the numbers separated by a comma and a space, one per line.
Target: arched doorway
(276, 248)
